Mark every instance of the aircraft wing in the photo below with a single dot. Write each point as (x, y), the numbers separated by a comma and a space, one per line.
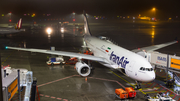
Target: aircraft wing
(154, 47)
(62, 53)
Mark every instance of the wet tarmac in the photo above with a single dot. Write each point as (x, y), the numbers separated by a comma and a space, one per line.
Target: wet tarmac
(62, 82)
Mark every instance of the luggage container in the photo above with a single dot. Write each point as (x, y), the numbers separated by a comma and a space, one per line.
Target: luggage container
(120, 93)
(131, 92)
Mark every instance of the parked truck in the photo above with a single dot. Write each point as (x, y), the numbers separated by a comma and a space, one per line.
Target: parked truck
(121, 94)
(131, 92)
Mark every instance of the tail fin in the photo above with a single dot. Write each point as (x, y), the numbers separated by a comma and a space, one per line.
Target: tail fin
(19, 24)
(86, 26)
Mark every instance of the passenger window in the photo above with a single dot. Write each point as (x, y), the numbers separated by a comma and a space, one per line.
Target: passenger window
(151, 69)
(141, 68)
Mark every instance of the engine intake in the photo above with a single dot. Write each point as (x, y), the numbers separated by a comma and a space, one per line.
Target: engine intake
(83, 69)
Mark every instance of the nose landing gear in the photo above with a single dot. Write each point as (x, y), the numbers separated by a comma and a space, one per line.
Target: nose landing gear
(138, 85)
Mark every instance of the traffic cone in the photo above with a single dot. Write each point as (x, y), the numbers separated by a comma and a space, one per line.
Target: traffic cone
(85, 78)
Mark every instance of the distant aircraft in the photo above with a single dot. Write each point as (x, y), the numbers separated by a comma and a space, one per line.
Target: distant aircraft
(109, 55)
(11, 30)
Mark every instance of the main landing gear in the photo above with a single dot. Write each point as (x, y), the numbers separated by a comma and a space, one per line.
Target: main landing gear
(90, 64)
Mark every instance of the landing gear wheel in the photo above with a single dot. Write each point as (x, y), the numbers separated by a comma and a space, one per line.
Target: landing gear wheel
(52, 64)
(137, 87)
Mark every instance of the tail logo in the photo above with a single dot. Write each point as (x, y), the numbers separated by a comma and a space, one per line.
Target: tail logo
(18, 25)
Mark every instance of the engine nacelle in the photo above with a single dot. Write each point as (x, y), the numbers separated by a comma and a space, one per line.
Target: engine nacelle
(83, 69)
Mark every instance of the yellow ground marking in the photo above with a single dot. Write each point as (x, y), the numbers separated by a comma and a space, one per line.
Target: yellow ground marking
(154, 92)
(155, 88)
(7, 57)
(127, 81)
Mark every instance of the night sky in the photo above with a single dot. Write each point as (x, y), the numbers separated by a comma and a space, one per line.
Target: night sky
(93, 7)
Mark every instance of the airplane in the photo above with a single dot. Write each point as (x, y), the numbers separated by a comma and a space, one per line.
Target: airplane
(11, 30)
(110, 55)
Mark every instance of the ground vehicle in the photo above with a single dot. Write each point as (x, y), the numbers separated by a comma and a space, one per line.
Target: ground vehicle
(122, 94)
(159, 97)
(55, 61)
(74, 59)
(164, 97)
(131, 92)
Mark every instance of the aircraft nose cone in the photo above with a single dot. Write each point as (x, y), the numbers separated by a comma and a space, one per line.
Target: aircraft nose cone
(152, 76)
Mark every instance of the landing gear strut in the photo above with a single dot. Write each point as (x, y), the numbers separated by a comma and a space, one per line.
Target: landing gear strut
(90, 64)
(138, 86)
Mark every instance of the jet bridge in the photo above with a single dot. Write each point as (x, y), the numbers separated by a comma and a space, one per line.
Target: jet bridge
(161, 60)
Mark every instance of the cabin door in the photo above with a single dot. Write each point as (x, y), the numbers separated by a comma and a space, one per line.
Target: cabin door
(130, 69)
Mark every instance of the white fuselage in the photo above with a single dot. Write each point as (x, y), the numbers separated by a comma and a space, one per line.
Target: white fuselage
(9, 30)
(119, 57)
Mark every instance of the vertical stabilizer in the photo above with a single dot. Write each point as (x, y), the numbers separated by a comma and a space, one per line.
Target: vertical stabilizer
(19, 24)
(86, 26)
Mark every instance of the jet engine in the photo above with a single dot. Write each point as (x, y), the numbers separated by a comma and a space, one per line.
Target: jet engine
(83, 69)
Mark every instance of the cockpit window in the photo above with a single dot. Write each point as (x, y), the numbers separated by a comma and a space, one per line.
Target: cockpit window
(146, 69)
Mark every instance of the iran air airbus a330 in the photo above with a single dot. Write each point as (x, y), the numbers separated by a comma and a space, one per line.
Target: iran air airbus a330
(110, 55)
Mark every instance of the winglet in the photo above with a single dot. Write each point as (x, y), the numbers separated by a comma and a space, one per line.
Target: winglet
(86, 26)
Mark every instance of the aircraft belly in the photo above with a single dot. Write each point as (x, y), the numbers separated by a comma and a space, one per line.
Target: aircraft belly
(107, 65)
